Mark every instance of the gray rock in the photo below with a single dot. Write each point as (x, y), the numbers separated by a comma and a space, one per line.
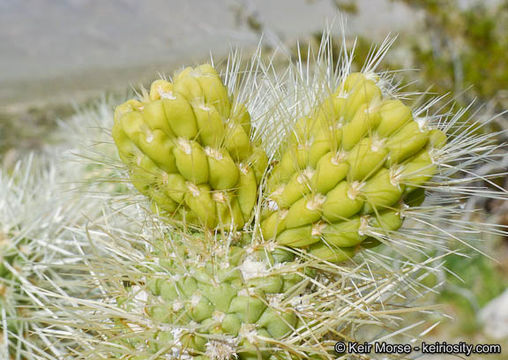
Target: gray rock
(494, 317)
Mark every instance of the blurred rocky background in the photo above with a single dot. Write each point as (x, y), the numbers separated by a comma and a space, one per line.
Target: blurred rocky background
(56, 56)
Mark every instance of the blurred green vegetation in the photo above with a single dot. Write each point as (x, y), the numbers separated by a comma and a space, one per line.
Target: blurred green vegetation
(463, 49)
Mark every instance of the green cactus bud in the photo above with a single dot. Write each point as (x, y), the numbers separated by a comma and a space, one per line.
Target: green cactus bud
(305, 211)
(215, 92)
(274, 224)
(317, 150)
(191, 161)
(361, 96)
(437, 138)
(297, 186)
(332, 254)
(331, 169)
(394, 114)
(345, 234)
(352, 81)
(417, 171)
(210, 125)
(154, 116)
(133, 125)
(223, 171)
(259, 162)
(237, 142)
(126, 148)
(229, 211)
(180, 116)
(160, 89)
(406, 142)
(387, 221)
(342, 202)
(299, 237)
(241, 116)
(199, 199)
(157, 146)
(126, 107)
(186, 83)
(161, 199)
(363, 121)
(381, 191)
(144, 173)
(175, 187)
(247, 190)
(365, 158)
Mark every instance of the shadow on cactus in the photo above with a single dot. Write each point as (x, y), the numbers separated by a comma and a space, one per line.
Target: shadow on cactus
(269, 193)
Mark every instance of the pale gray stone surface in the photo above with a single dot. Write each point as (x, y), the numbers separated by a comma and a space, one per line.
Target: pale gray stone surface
(62, 48)
(494, 317)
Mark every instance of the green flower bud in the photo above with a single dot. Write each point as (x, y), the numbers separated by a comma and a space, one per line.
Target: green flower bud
(223, 171)
(342, 202)
(381, 191)
(345, 234)
(365, 158)
(180, 116)
(331, 169)
(332, 254)
(305, 211)
(183, 135)
(299, 237)
(406, 142)
(363, 121)
(210, 125)
(191, 161)
(394, 114)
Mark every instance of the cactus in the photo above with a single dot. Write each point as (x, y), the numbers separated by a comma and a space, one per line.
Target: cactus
(188, 147)
(266, 267)
(230, 300)
(350, 166)
(174, 295)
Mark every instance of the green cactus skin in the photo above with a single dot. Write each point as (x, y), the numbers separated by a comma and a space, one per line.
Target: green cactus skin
(224, 302)
(350, 167)
(188, 148)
